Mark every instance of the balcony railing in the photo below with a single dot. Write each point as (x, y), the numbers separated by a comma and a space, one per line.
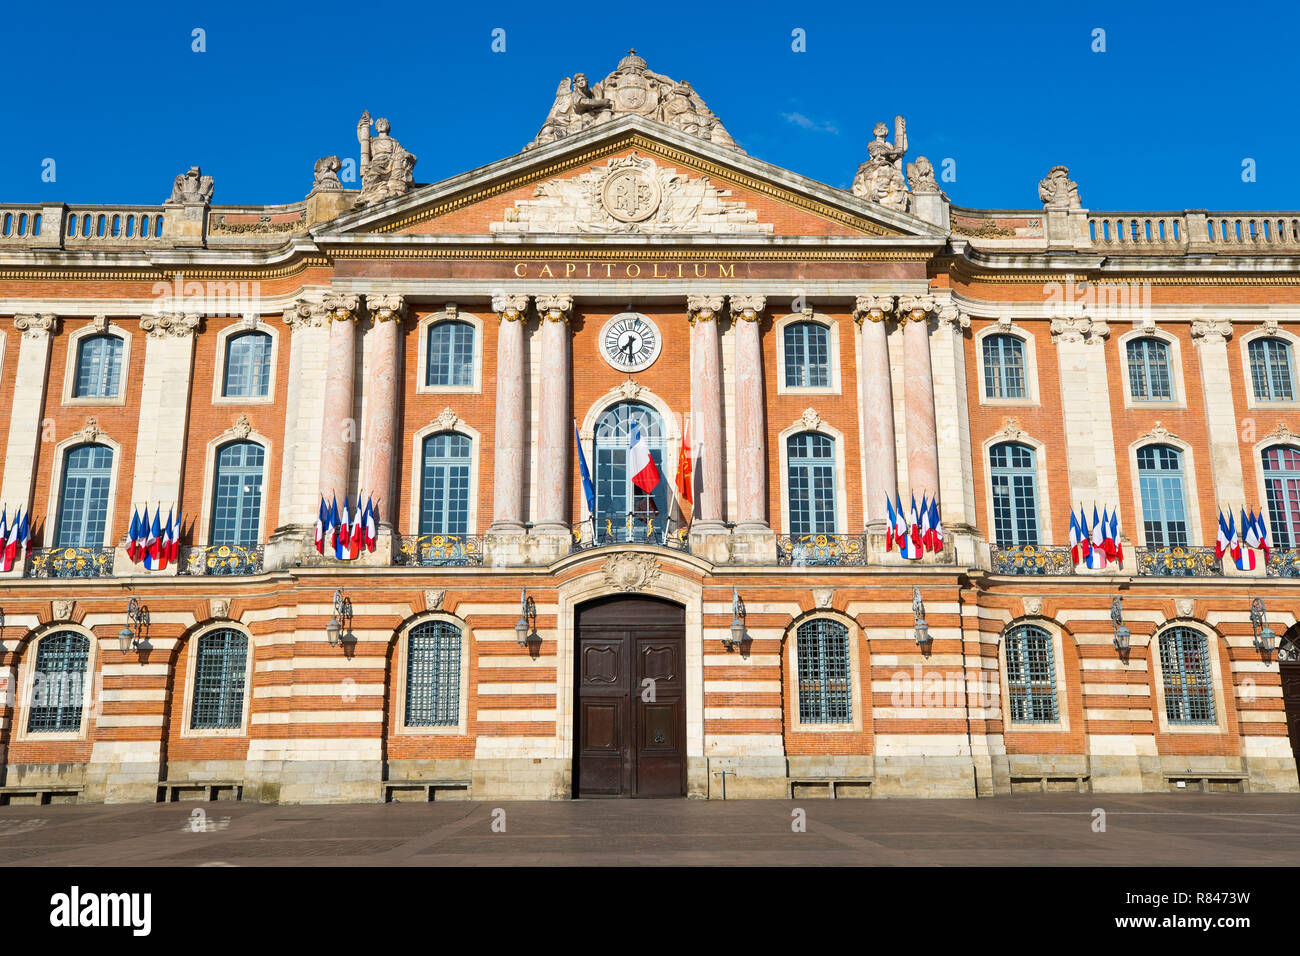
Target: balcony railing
(608, 530)
(221, 559)
(1031, 559)
(70, 563)
(437, 550)
(1283, 564)
(1179, 561)
(811, 550)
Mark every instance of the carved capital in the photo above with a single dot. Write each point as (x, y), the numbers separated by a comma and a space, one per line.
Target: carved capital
(747, 307)
(173, 325)
(877, 308)
(915, 308)
(305, 315)
(1211, 330)
(1079, 329)
(341, 307)
(35, 325)
(554, 308)
(702, 308)
(386, 307)
(953, 318)
(510, 308)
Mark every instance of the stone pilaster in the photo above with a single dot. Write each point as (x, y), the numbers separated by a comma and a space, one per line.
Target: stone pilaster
(505, 542)
(708, 530)
(379, 432)
(30, 376)
(952, 428)
(914, 312)
(753, 540)
(870, 313)
(1211, 338)
(554, 440)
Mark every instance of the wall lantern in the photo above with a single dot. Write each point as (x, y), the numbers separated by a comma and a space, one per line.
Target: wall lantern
(736, 636)
(2, 630)
(1121, 632)
(526, 626)
(339, 628)
(132, 637)
(1264, 635)
(922, 629)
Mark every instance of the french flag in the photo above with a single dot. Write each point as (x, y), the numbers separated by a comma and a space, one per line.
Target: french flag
(1076, 538)
(900, 521)
(322, 526)
(936, 526)
(1098, 539)
(1223, 542)
(892, 519)
(917, 546)
(1264, 541)
(1243, 558)
(341, 531)
(133, 536)
(1114, 537)
(927, 532)
(371, 529)
(908, 543)
(25, 533)
(174, 540)
(152, 542)
(11, 543)
(644, 473)
(357, 537)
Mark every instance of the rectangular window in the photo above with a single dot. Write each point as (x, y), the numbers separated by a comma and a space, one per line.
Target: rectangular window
(807, 355)
(99, 367)
(1004, 367)
(1031, 676)
(1270, 370)
(1185, 666)
(219, 681)
(450, 355)
(433, 675)
(825, 695)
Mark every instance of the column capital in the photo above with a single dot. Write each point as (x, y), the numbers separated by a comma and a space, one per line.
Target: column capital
(1211, 330)
(36, 325)
(170, 325)
(1079, 328)
(342, 307)
(915, 308)
(747, 307)
(554, 308)
(702, 307)
(304, 315)
(874, 307)
(953, 318)
(509, 308)
(385, 307)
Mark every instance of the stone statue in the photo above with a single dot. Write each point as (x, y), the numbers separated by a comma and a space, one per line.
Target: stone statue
(386, 168)
(1058, 191)
(880, 178)
(920, 175)
(327, 176)
(632, 88)
(191, 187)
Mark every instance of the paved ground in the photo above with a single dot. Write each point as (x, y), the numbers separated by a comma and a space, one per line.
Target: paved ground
(1048, 829)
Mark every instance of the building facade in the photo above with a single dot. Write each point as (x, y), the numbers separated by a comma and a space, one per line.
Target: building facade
(457, 353)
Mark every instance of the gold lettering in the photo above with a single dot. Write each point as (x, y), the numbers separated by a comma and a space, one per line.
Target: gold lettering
(679, 270)
(546, 271)
(588, 270)
(569, 268)
(701, 271)
(630, 273)
(609, 270)
(524, 267)
(656, 274)
(726, 272)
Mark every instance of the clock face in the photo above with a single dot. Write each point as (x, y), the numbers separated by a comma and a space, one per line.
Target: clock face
(630, 342)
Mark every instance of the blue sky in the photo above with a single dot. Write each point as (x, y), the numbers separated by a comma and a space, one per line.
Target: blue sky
(1162, 120)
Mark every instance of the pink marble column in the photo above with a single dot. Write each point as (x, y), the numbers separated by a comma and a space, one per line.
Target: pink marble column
(879, 452)
(508, 471)
(751, 421)
(384, 344)
(338, 428)
(918, 395)
(554, 436)
(706, 407)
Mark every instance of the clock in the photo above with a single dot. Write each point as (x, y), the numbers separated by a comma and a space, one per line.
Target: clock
(630, 342)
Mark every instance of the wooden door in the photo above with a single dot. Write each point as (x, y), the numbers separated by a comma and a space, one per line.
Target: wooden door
(1291, 700)
(630, 734)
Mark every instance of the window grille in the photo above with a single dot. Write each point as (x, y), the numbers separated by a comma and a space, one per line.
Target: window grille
(1031, 676)
(1270, 370)
(1148, 370)
(219, 675)
(58, 683)
(1164, 506)
(1185, 667)
(825, 694)
(433, 675)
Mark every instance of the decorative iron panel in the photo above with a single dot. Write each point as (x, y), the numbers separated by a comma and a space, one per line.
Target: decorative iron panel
(58, 683)
(219, 675)
(433, 675)
(825, 695)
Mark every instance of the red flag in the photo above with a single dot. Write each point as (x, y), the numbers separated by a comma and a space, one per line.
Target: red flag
(685, 475)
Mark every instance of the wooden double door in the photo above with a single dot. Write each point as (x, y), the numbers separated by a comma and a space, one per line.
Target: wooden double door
(630, 720)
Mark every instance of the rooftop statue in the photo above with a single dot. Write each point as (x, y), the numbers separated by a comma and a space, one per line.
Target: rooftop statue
(386, 168)
(191, 187)
(880, 178)
(632, 88)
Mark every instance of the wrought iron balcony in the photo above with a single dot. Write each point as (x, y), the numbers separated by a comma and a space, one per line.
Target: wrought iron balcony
(437, 550)
(609, 530)
(812, 550)
(70, 563)
(1179, 561)
(1031, 559)
(221, 559)
(1283, 564)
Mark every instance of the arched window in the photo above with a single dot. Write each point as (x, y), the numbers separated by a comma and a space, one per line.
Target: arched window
(825, 692)
(616, 494)
(1148, 370)
(1031, 676)
(807, 355)
(810, 460)
(1015, 494)
(248, 366)
(99, 367)
(1004, 366)
(1282, 491)
(450, 354)
(83, 497)
(58, 688)
(1185, 670)
(219, 673)
(1164, 504)
(237, 494)
(433, 675)
(444, 484)
(1270, 370)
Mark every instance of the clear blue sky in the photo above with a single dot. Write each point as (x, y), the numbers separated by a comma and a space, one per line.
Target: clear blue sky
(1162, 120)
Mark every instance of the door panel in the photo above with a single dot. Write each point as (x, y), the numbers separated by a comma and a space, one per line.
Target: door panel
(630, 738)
(1291, 700)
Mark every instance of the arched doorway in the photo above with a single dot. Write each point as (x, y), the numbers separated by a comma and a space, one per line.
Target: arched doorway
(630, 693)
(1288, 658)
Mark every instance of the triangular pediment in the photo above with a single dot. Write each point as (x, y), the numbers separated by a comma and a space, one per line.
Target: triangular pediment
(633, 177)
